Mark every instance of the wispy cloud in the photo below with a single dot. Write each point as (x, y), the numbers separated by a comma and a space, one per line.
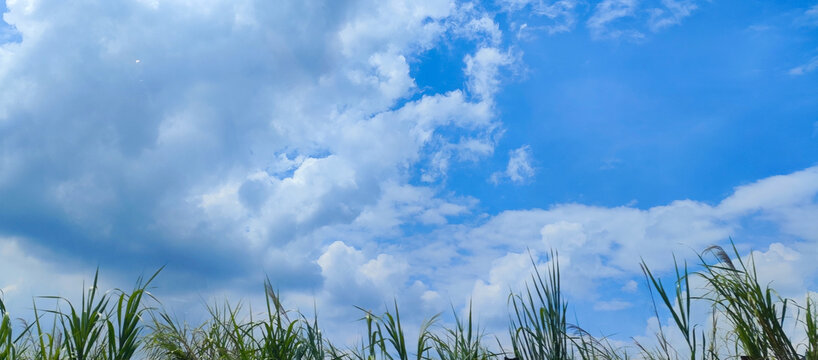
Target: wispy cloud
(519, 168)
(809, 17)
(806, 68)
(672, 14)
(608, 12)
(612, 305)
(609, 19)
(561, 15)
(482, 69)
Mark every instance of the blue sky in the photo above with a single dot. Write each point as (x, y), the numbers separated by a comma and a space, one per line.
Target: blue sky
(359, 151)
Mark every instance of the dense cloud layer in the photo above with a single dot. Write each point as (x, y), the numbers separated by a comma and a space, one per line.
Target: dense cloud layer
(154, 128)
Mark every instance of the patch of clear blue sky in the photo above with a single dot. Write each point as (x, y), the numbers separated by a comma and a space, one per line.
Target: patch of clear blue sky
(689, 113)
(7, 32)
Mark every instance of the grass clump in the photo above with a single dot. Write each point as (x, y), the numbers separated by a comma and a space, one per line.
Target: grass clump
(462, 342)
(755, 313)
(539, 330)
(9, 348)
(747, 320)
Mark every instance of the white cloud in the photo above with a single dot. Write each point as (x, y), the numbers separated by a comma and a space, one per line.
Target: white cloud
(809, 18)
(482, 69)
(609, 11)
(807, 68)
(562, 14)
(483, 29)
(773, 192)
(512, 5)
(672, 14)
(630, 286)
(240, 130)
(812, 11)
(519, 168)
(25, 276)
(602, 245)
(351, 277)
(346, 271)
(609, 19)
(612, 305)
(299, 117)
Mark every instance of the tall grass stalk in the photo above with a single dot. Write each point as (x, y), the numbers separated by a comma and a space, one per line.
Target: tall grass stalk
(9, 349)
(811, 327)
(588, 347)
(386, 338)
(280, 337)
(538, 324)
(171, 339)
(463, 342)
(678, 304)
(6, 342)
(83, 326)
(124, 335)
(374, 339)
(48, 344)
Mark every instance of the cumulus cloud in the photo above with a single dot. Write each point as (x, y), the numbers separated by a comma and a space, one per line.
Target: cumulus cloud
(492, 294)
(601, 244)
(249, 137)
(232, 138)
(346, 272)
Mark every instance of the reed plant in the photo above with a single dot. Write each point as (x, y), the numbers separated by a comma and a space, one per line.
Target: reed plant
(538, 329)
(678, 303)
(753, 323)
(463, 342)
(755, 312)
(48, 344)
(9, 348)
(811, 327)
(94, 329)
(386, 339)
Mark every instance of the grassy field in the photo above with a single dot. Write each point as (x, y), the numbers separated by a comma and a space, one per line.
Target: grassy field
(747, 322)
